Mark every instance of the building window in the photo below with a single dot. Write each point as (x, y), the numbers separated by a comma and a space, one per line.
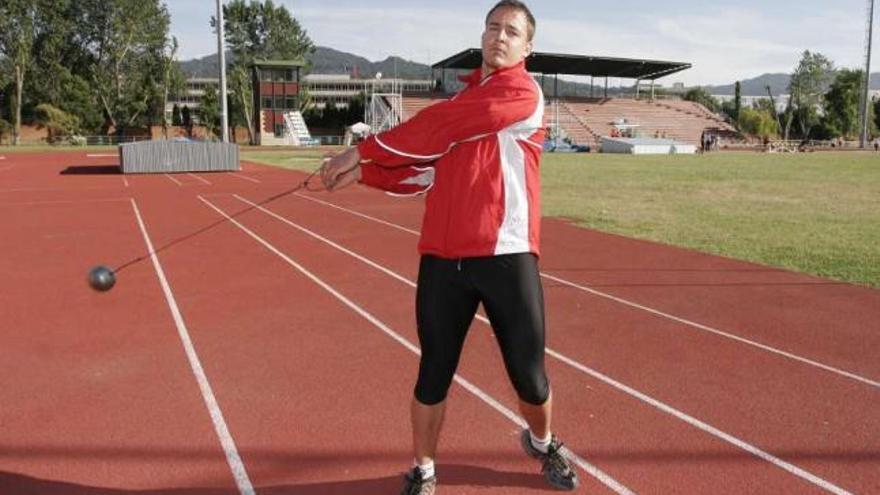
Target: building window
(290, 103)
(279, 130)
(267, 102)
(279, 101)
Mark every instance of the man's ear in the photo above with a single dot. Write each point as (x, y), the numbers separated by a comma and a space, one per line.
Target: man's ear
(529, 47)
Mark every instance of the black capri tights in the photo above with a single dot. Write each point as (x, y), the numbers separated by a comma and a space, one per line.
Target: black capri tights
(449, 292)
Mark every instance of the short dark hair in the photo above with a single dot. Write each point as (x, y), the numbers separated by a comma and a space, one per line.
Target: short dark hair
(515, 4)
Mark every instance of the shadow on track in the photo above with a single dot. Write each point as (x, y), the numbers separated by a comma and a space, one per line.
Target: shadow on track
(92, 170)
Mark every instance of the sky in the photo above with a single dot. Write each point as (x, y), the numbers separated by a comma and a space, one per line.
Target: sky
(724, 40)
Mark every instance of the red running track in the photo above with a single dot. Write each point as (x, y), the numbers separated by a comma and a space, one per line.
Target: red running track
(278, 353)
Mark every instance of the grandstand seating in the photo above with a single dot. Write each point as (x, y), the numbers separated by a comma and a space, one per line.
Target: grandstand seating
(586, 120)
(414, 103)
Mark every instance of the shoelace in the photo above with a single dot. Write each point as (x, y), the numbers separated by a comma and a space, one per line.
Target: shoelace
(556, 461)
(416, 485)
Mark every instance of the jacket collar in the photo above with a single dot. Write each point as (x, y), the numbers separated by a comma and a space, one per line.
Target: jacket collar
(476, 76)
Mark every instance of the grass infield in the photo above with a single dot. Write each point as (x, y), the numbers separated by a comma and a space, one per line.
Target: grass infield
(815, 213)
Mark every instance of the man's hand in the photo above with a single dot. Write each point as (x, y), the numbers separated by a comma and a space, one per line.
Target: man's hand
(341, 170)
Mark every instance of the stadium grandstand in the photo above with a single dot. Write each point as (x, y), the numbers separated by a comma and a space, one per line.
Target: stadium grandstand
(575, 121)
(586, 121)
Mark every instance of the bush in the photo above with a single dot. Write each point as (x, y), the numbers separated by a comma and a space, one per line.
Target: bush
(758, 123)
(77, 140)
(60, 123)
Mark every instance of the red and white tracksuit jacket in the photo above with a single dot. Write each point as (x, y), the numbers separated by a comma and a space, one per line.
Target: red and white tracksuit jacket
(477, 156)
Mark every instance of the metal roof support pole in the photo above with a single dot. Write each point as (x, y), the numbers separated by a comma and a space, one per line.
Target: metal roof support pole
(606, 86)
(638, 87)
(652, 89)
(556, 107)
(591, 86)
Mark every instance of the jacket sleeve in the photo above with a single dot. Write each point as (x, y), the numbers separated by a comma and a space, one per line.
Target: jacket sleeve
(433, 132)
(403, 180)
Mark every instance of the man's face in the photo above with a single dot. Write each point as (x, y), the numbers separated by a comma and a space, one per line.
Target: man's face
(505, 39)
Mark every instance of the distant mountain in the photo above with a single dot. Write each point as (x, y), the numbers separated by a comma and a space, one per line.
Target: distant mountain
(778, 85)
(329, 61)
(325, 61)
(756, 86)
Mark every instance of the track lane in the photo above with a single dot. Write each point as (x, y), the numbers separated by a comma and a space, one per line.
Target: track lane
(96, 391)
(498, 382)
(825, 452)
(349, 385)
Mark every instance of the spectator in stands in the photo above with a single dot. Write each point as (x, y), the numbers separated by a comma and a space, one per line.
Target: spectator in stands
(471, 154)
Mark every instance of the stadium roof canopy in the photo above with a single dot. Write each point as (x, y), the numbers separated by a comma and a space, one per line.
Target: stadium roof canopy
(577, 65)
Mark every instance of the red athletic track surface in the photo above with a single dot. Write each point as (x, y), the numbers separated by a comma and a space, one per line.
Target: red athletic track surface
(672, 371)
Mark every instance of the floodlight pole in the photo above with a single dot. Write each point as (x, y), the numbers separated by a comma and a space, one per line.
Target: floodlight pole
(866, 100)
(224, 118)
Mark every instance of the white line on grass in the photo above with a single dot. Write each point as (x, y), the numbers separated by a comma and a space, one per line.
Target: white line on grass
(232, 457)
(205, 181)
(597, 473)
(705, 427)
(656, 312)
(172, 179)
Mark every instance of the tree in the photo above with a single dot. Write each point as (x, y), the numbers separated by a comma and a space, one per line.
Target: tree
(806, 90)
(59, 122)
(187, 120)
(701, 96)
(259, 30)
(172, 80)
(209, 110)
(737, 101)
(5, 128)
(175, 115)
(842, 104)
(765, 104)
(876, 108)
(17, 33)
(758, 122)
(124, 41)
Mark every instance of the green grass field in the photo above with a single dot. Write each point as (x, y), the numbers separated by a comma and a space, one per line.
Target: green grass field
(813, 213)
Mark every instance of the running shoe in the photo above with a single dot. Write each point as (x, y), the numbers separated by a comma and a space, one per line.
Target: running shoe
(556, 468)
(413, 484)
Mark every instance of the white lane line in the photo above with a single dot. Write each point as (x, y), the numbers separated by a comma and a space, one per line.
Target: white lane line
(359, 214)
(244, 177)
(635, 305)
(102, 155)
(205, 181)
(2, 157)
(594, 471)
(52, 189)
(7, 167)
(65, 202)
(801, 473)
(125, 181)
(715, 331)
(172, 179)
(232, 457)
